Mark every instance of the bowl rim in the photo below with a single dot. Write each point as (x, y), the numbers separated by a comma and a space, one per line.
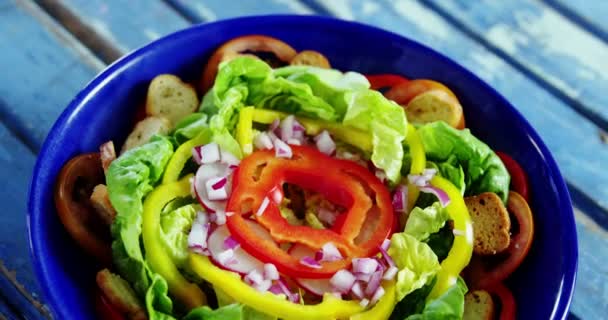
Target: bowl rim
(568, 281)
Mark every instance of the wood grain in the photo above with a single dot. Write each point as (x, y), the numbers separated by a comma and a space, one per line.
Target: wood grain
(589, 14)
(564, 58)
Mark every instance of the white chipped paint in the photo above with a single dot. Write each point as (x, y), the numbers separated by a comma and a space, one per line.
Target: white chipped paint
(295, 6)
(340, 8)
(426, 20)
(369, 7)
(151, 34)
(559, 36)
(506, 37)
(490, 66)
(103, 29)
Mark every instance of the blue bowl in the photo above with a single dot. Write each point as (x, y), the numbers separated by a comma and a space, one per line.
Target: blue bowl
(543, 285)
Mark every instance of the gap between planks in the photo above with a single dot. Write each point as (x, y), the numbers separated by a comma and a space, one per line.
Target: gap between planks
(100, 46)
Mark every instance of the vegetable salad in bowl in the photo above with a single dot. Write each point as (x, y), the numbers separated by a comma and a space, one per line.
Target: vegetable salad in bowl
(281, 188)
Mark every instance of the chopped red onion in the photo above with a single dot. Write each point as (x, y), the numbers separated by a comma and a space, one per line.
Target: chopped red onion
(216, 193)
(202, 218)
(337, 295)
(263, 142)
(229, 159)
(385, 244)
(374, 283)
(254, 277)
(271, 272)
(263, 286)
(231, 243)
(297, 126)
(327, 216)
(380, 174)
(400, 199)
(387, 257)
(282, 149)
(276, 289)
(287, 128)
(196, 154)
(197, 238)
(225, 257)
(229, 213)
(294, 141)
(357, 290)
(364, 302)
(377, 295)
(202, 185)
(242, 262)
(263, 206)
(325, 143)
(220, 183)
(273, 137)
(276, 194)
(209, 153)
(364, 265)
(329, 253)
(365, 277)
(440, 194)
(390, 273)
(295, 298)
(310, 262)
(428, 174)
(275, 124)
(342, 281)
(220, 218)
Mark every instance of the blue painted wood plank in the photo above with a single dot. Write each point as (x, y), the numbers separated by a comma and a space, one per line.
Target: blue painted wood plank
(127, 24)
(210, 10)
(17, 280)
(589, 14)
(570, 136)
(43, 68)
(560, 55)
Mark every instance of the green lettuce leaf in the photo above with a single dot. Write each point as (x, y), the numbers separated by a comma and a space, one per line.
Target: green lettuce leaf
(451, 170)
(416, 262)
(229, 312)
(412, 303)
(129, 179)
(484, 172)
(441, 242)
(189, 127)
(311, 92)
(449, 306)
(175, 227)
(248, 313)
(421, 223)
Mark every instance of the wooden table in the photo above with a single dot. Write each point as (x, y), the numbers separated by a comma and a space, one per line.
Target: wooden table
(549, 58)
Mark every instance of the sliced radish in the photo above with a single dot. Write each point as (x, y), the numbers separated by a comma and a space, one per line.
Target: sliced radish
(205, 173)
(317, 287)
(243, 261)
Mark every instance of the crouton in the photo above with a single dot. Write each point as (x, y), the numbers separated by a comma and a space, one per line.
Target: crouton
(491, 223)
(310, 58)
(171, 98)
(435, 105)
(478, 305)
(120, 295)
(144, 130)
(100, 200)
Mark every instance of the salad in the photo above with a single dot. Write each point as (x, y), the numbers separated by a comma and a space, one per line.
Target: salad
(291, 190)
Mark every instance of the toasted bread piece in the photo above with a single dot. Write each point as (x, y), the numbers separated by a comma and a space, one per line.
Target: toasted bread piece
(491, 223)
(144, 130)
(100, 200)
(107, 153)
(170, 97)
(435, 105)
(478, 305)
(120, 295)
(310, 58)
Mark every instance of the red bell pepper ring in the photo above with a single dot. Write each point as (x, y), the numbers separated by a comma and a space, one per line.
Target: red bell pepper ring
(387, 80)
(519, 179)
(366, 199)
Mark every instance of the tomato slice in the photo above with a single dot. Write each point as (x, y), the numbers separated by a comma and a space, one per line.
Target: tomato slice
(508, 306)
(386, 80)
(72, 191)
(485, 272)
(105, 310)
(519, 179)
(240, 45)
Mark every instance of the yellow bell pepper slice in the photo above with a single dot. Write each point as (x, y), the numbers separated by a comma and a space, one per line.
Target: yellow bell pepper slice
(462, 248)
(244, 130)
(352, 136)
(275, 305)
(182, 155)
(383, 309)
(418, 165)
(186, 292)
